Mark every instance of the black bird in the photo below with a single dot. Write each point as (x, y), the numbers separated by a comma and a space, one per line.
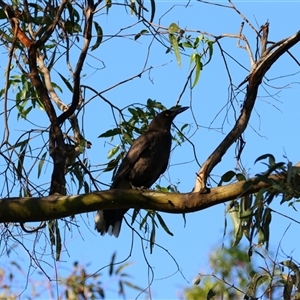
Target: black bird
(145, 161)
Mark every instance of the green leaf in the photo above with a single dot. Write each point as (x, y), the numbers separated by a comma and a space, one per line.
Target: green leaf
(163, 224)
(41, 163)
(261, 237)
(57, 87)
(86, 188)
(25, 112)
(20, 163)
(187, 45)
(133, 286)
(142, 32)
(58, 242)
(270, 156)
(134, 215)
(112, 263)
(133, 10)
(174, 44)
(199, 66)
(240, 177)
(210, 51)
(173, 28)
(99, 36)
(111, 132)
(67, 83)
(72, 27)
(134, 112)
(152, 2)
(51, 227)
(144, 220)
(152, 239)
(227, 177)
(122, 267)
(73, 13)
(127, 137)
(197, 41)
(112, 164)
(183, 127)
(112, 152)
(236, 221)
(121, 288)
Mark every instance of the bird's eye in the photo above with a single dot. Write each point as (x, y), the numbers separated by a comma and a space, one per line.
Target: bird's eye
(166, 114)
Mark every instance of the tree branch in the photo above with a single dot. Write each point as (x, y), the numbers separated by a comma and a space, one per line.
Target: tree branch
(89, 13)
(33, 209)
(254, 79)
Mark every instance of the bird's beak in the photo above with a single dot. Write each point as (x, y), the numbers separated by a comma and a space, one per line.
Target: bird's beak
(178, 110)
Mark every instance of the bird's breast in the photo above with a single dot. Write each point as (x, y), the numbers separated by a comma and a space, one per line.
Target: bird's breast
(152, 162)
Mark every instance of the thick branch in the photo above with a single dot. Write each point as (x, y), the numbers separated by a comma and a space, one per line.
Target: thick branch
(52, 26)
(257, 73)
(54, 207)
(89, 12)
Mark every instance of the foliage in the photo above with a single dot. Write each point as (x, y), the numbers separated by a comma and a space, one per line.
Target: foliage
(53, 49)
(75, 284)
(235, 276)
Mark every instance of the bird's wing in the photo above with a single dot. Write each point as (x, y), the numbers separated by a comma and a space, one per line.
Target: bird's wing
(132, 156)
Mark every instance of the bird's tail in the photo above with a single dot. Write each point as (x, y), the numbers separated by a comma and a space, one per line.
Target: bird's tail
(109, 221)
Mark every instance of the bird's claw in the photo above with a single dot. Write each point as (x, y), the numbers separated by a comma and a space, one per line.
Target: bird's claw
(139, 188)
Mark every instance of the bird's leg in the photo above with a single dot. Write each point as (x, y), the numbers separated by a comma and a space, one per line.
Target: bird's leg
(139, 188)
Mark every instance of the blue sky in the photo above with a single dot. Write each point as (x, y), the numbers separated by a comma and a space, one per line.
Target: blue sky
(273, 130)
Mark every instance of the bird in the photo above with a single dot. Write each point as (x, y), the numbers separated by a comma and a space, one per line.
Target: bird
(146, 160)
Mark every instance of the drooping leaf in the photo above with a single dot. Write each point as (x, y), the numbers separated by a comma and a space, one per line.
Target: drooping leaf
(41, 163)
(112, 263)
(210, 51)
(122, 267)
(99, 36)
(51, 227)
(133, 286)
(72, 27)
(198, 69)
(144, 220)
(20, 163)
(86, 188)
(152, 2)
(112, 152)
(110, 132)
(67, 83)
(142, 32)
(236, 222)
(174, 43)
(173, 28)
(127, 137)
(134, 215)
(152, 238)
(163, 224)
(58, 242)
(262, 157)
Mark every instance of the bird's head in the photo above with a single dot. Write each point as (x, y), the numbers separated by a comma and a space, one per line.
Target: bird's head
(164, 119)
